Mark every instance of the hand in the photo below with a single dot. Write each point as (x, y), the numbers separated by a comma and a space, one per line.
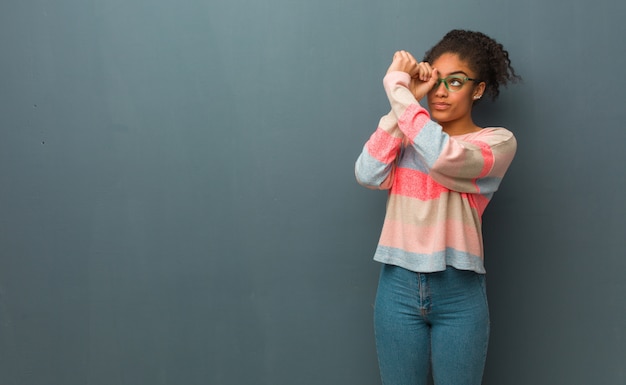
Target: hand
(404, 62)
(423, 76)
(424, 80)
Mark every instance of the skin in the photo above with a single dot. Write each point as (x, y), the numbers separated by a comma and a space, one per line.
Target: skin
(452, 110)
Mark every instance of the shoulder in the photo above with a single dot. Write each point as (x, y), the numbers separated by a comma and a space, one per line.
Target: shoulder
(495, 131)
(494, 136)
(498, 139)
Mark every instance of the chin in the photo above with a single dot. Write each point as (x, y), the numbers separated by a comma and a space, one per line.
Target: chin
(439, 117)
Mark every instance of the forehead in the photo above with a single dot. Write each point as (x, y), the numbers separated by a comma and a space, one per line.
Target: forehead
(450, 63)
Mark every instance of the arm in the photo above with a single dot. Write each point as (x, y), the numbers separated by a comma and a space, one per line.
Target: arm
(376, 165)
(477, 165)
(473, 166)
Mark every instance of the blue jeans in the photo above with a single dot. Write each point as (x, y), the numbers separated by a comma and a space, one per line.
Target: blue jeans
(425, 321)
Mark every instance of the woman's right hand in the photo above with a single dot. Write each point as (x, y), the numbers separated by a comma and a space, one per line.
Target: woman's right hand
(404, 62)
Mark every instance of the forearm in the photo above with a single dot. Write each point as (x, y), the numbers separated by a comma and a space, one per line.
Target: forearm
(374, 167)
(410, 114)
(396, 84)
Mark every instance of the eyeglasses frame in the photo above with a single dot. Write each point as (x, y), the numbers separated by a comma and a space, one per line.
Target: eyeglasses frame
(445, 82)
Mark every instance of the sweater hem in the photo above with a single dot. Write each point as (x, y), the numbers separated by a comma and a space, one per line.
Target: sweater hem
(430, 263)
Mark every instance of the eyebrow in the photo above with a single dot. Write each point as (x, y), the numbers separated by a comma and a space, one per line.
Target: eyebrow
(456, 73)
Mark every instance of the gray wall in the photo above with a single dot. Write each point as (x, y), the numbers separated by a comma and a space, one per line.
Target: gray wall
(178, 205)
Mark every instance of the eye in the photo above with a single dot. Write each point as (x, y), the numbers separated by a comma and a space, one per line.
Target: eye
(456, 82)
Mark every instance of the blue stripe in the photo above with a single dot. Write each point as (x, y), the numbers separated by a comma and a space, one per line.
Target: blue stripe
(370, 171)
(488, 185)
(427, 263)
(430, 141)
(413, 160)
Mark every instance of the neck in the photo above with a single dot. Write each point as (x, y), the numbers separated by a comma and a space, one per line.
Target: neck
(460, 127)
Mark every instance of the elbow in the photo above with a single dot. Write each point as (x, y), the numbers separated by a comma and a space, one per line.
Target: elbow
(373, 182)
(373, 175)
(366, 180)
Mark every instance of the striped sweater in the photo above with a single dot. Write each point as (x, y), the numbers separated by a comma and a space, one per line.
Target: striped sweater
(439, 185)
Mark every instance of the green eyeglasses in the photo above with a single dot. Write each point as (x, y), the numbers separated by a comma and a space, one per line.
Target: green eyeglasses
(453, 83)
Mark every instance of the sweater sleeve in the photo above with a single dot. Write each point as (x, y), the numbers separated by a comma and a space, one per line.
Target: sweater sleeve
(376, 164)
(468, 163)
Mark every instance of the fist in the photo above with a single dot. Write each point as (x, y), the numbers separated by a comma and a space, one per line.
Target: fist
(404, 62)
(424, 80)
(423, 76)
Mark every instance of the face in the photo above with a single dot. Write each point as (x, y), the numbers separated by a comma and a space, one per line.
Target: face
(447, 106)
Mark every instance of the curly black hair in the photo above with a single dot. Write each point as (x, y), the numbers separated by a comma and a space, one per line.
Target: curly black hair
(484, 55)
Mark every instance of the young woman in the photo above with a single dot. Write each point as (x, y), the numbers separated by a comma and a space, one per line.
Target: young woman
(441, 170)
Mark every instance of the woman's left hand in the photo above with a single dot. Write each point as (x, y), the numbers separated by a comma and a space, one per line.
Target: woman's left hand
(423, 76)
(424, 81)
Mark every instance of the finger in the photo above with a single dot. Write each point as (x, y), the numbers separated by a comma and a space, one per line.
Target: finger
(402, 62)
(400, 57)
(396, 62)
(410, 57)
(405, 60)
(427, 66)
(415, 67)
(434, 75)
(425, 71)
(421, 72)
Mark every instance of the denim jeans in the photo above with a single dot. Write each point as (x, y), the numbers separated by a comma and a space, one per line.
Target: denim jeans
(425, 321)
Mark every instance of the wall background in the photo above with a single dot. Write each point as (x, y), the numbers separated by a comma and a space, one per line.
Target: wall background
(178, 205)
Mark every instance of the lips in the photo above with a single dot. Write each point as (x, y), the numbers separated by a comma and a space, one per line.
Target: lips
(440, 106)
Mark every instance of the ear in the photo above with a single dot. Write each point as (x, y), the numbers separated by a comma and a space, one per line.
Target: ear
(479, 90)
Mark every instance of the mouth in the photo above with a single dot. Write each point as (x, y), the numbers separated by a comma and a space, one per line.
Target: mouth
(440, 106)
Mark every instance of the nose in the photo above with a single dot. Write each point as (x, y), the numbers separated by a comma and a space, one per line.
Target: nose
(441, 90)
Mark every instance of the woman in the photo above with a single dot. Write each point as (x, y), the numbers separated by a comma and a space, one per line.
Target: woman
(441, 170)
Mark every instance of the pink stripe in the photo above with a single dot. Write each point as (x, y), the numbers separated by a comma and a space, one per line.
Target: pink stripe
(487, 155)
(426, 240)
(416, 184)
(413, 120)
(478, 202)
(383, 146)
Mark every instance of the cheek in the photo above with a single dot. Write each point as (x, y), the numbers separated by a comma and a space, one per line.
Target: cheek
(464, 101)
